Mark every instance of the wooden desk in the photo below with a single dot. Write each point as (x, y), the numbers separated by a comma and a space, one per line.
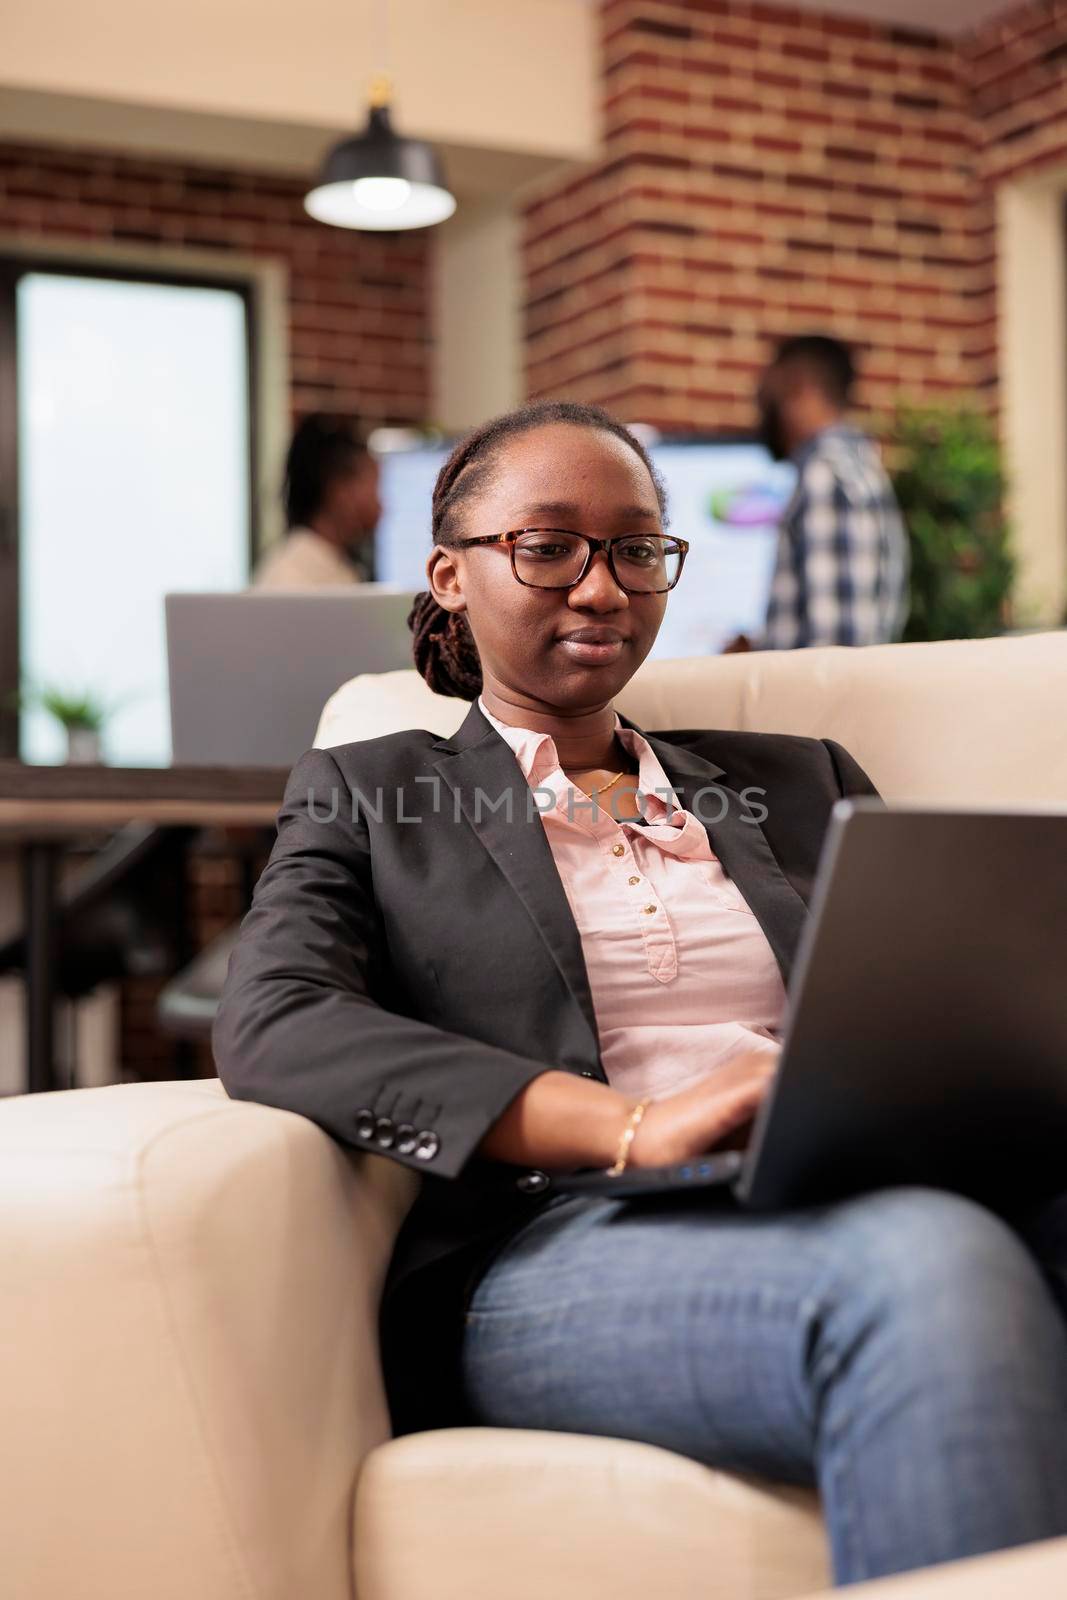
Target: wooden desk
(42, 807)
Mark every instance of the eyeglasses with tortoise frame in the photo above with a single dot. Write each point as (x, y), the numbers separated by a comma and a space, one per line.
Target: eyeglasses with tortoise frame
(558, 558)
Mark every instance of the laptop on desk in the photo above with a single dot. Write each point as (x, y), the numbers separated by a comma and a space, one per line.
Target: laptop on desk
(926, 1032)
(251, 672)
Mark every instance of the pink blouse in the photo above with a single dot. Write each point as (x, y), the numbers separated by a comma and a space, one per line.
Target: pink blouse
(681, 974)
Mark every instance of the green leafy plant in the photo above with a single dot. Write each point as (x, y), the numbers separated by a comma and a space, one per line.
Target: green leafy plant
(947, 473)
(74, 710)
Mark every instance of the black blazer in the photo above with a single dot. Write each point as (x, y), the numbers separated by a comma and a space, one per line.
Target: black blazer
(410, 963)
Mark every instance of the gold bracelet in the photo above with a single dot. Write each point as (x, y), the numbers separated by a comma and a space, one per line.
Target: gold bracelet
(622, 1154)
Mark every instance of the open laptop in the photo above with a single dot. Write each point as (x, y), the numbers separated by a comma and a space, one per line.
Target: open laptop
(251, 672)
(926, 1031)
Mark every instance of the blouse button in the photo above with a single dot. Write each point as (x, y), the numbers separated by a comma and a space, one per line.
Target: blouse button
(632, 881)
(618, 849)
(649, 911)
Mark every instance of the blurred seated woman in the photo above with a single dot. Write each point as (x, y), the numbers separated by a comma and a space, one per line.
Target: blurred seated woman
(510, 952)
(332, 509)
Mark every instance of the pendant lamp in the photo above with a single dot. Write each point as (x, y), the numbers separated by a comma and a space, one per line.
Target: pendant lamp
(379, 180)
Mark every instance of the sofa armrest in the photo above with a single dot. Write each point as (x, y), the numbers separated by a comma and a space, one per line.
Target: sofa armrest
(1036, 1571)
(189, 1374)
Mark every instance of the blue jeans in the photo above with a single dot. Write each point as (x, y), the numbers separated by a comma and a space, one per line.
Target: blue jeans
(905, 1352)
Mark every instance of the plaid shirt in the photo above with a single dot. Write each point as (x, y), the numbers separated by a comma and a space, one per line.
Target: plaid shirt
(841, 575)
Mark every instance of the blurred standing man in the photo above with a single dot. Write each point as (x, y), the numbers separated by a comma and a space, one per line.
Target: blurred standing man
(331, 506)
(841, 575)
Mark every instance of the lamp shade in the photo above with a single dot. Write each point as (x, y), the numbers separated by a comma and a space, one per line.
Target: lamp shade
(381, 181)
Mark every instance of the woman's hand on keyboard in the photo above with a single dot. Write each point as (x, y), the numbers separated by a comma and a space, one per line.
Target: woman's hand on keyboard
(705, 1116)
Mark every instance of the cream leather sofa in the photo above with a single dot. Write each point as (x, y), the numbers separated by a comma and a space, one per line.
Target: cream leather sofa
(190, 1398)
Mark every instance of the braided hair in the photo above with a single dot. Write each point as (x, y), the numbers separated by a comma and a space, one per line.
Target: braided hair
(444, 648)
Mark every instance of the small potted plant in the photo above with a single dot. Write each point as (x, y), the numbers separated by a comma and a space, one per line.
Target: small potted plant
(82, 715)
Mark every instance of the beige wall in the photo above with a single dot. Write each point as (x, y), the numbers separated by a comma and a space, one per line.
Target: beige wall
(511, 76)
(1032, 278)
(477, 316)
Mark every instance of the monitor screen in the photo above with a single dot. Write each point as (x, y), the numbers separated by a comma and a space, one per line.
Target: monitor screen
(726, 498)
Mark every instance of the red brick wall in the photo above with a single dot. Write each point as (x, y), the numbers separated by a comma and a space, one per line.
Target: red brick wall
(1018, 81)
(358, 303)
(767, 171)
(1016, 75)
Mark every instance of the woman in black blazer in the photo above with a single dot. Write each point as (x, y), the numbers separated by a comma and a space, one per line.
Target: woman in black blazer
(413, 977)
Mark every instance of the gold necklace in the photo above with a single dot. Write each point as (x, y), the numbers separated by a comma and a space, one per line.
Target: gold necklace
(604, 787)
(591, 794)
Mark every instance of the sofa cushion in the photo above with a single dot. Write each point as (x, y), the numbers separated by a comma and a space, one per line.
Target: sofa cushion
(189, 1360)
(532, 1515)
(961, 722)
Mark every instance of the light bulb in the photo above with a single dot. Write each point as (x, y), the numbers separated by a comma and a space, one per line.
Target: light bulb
(381, 194)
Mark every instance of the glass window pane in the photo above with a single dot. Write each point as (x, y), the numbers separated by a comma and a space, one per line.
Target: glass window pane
(133, 480)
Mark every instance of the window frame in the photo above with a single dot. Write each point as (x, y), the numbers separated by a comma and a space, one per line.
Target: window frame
(12, 269)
